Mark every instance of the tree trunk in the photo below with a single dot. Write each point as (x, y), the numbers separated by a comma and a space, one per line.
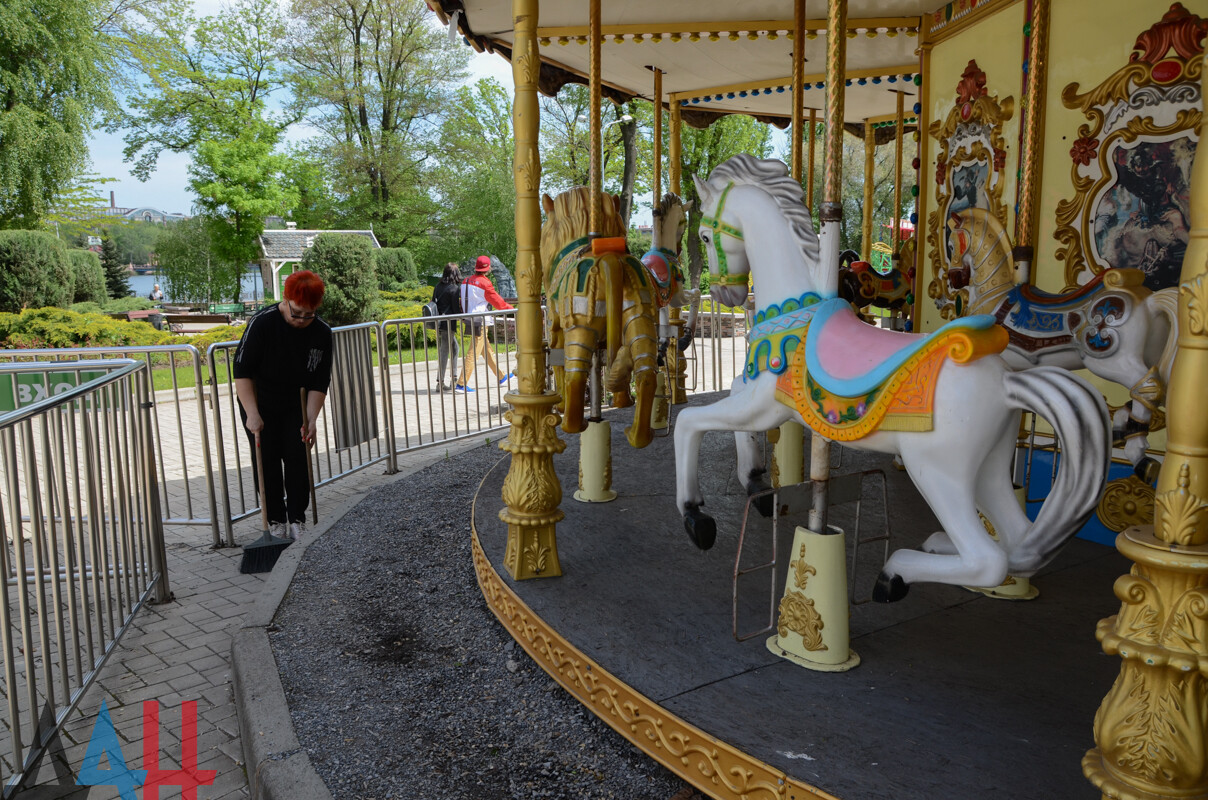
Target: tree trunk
(629, 139)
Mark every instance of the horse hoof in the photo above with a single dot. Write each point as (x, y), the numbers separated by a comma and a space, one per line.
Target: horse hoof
(889, 590)
(1147, 469)
(638, 438)
(684, 342)
(762, 504)
(701, 528)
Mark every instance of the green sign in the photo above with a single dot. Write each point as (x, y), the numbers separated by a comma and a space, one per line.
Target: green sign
(30, 387)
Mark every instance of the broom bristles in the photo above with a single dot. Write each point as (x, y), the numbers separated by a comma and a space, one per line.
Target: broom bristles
(262, 554)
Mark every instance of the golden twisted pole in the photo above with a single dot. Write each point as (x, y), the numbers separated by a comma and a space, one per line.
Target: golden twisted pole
(595, 91)
(679, 367)
(899, 131)
(809, 179)
(1033, 122)
(658, 134)
(531, 490)
(870, 155)
(1149, 730)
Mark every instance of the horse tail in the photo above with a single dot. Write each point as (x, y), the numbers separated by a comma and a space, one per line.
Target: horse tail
(1166, 303)
(1078, 415)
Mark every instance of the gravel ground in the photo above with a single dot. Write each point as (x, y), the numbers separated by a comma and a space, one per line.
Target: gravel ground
(402, 684)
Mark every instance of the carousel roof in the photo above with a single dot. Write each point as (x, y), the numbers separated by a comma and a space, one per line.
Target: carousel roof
(716, 57)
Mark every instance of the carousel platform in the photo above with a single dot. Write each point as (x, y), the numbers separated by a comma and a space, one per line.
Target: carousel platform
(957, 695)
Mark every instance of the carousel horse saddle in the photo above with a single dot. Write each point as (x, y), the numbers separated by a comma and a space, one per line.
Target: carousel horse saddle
(848, 357)
(663, 267)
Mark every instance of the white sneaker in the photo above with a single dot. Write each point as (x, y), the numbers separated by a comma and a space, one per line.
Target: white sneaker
(296, 530)
(278, 529)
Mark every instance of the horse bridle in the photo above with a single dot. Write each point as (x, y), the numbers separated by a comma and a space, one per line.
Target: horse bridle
(719, 228)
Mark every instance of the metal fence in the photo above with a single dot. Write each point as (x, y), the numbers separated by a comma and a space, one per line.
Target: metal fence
(178, 416)
(83, 545)
(386, 398)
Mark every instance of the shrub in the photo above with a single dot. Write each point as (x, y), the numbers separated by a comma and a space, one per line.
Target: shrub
(58, 327)
(35, 271)
(395, 265)
(346, 264)
(89, 277)
(87, 307)
(130, 303)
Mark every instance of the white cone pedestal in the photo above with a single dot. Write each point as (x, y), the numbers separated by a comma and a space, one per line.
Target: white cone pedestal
(813, 626)
(595, 464)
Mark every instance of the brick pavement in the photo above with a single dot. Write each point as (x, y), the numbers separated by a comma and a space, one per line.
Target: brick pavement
(180, 651)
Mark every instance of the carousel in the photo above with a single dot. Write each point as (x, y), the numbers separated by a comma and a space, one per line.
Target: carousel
(1048, 304)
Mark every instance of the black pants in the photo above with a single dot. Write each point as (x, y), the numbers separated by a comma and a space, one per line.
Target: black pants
(286, 484)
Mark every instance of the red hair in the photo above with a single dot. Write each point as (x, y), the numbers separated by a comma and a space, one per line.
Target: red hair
(304, 288)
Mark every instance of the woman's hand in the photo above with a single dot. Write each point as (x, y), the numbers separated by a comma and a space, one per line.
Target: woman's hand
(309, 431)
(254, 423)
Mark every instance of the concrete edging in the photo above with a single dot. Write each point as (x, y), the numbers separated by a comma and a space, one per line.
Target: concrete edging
(277, 766)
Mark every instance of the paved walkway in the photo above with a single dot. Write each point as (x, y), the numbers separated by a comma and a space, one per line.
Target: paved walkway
(180, 652)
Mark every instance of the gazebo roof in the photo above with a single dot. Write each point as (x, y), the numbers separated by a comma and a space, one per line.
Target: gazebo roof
(720, 57)
(290, 245)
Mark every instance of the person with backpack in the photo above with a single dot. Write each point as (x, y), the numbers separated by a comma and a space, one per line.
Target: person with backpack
(477, 295)
(447, 297)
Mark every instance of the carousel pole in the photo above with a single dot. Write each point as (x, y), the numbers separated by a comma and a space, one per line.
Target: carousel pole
(1033, 129)
(920, 167)
(595, 443)
(660, 413)
(870, 154)
(1150, 729)
(809, 179)
(832, 219)
(899, 131)
(678, 367)
(788, 449)
(813, 627)
(531, 489)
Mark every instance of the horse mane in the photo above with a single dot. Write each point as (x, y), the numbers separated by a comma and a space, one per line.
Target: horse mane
(669, 200)
(571, 218)
(772, 176)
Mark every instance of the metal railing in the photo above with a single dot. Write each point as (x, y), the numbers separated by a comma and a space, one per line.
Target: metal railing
(83, 545)
(181, 483)
(719, 349)
(420, 412)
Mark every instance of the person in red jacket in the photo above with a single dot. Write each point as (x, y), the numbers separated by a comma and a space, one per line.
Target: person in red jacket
(477, 292)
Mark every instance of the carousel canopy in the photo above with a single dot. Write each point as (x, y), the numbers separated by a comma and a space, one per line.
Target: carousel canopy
(716, 57)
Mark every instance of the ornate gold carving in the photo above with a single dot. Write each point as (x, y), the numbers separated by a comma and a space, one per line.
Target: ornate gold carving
(715, 767)
(797, 612)
(1122, 109)
(531, 490)
(801, 570)
(1126, 502)
(1195, 292)
(970, 135)
(1180, 514)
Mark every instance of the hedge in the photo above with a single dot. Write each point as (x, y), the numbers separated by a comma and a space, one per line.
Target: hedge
(35, 271)
(89, 275)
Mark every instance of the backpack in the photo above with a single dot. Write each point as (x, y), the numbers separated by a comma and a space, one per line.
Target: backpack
(429, 313)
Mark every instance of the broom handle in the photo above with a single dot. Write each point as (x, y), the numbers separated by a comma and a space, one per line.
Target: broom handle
(310, 473)
(260, 475)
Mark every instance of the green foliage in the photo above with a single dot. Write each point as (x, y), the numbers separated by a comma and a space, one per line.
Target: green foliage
(58, 327)
(376, 73)
(135, 241)
(117, 282)
(475, 178)
(202, 341)
(395, 266)
(128, 303)
(35, 271)
(346, 264)
(408, 296)
(54, 78)
(87, 307)
(89, 283)
(192, 271)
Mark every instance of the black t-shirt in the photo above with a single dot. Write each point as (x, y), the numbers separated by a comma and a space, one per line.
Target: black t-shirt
(282, 359)
(448, 301)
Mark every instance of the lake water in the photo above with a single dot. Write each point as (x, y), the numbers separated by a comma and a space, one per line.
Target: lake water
(141, 285)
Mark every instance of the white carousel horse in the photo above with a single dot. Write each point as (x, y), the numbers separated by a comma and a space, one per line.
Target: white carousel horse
(1113, 326)
(946, 402)
(670, 218)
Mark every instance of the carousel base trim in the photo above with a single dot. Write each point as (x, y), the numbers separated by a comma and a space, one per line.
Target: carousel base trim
(714, 767)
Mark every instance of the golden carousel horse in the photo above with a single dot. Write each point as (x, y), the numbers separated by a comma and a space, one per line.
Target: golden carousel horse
(597, 292)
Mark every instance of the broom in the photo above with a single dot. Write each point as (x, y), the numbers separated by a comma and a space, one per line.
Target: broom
(310, 472)
(262, 554)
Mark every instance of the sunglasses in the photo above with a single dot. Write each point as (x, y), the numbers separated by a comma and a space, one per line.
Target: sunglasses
(293, 312)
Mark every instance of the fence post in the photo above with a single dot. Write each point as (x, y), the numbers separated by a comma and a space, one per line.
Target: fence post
(387, 398)
(216, 402)
(159, 552)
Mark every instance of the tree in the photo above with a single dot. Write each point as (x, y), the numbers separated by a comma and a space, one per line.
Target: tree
(474, 182)
(192, 270)
(395, 266)
(207, 84)
(378, 75)
(135, 240)
(88, 277)
(345, 262)
(54, 81)
(701, 151)
(35, 271)
(116, 281)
